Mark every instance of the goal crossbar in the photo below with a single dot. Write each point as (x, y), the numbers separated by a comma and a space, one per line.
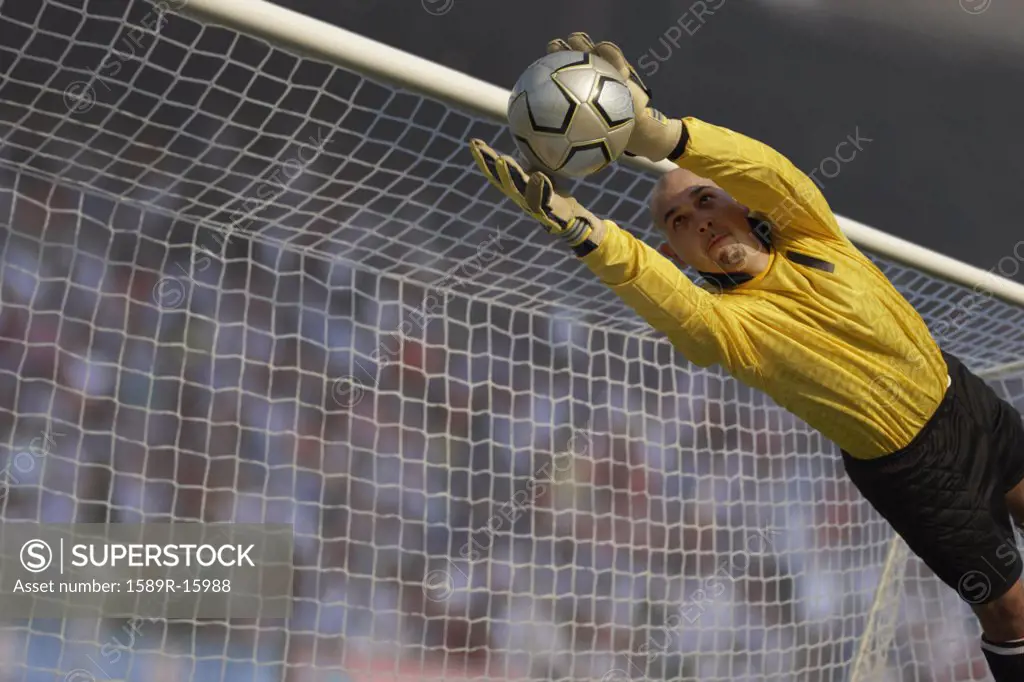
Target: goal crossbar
(349, 50)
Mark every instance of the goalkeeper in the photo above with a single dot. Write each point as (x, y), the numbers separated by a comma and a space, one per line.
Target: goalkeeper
(798, 312)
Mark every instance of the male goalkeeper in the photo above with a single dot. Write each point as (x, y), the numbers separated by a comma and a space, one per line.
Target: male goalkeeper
(799, 313)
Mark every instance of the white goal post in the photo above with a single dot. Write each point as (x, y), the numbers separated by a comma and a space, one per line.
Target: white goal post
(252, 275)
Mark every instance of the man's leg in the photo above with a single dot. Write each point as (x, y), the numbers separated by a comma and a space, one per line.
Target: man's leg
(1002, 621)
(980, 562)
(1000, 444)
(1002, 641)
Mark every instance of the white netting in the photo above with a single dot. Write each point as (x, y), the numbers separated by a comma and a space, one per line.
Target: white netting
(242, 285)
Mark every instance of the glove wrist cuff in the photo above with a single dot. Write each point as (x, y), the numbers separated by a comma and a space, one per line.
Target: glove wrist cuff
(680, 148)
(578, 231)
(585, 247)
(657, 137)
(591, 237)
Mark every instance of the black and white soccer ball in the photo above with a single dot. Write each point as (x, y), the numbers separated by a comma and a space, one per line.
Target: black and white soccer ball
(571, 113)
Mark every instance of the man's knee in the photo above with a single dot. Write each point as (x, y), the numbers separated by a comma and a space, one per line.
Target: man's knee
(1002, 619)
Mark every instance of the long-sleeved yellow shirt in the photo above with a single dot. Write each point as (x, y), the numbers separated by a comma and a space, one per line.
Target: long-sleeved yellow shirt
(837, 346)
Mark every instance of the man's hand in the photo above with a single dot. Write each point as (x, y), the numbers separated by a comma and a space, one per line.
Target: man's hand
(654, 136)
(534, 193)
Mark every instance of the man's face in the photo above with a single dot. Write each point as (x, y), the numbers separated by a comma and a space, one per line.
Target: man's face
(704, 227)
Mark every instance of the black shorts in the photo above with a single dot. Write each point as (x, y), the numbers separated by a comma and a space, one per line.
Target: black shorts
(944, 494)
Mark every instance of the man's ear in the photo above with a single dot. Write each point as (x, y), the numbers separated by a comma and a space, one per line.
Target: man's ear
(666, 251)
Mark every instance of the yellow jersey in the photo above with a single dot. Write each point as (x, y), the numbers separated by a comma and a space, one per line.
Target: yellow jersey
(821, 330)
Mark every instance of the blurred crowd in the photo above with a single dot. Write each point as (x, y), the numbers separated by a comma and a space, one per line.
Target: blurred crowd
(478, 488)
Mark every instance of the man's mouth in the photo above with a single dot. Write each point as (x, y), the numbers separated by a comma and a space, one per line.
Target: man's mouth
(715, 240)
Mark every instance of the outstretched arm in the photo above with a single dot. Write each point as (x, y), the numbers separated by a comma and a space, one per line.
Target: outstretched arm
(753, 173)
(758, 177)
(644, 279)
(654, 287)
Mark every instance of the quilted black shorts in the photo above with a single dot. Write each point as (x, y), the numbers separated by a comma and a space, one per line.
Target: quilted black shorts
(945, 492)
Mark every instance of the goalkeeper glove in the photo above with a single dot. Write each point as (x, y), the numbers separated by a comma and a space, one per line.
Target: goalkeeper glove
(534, 193)
(654, 136)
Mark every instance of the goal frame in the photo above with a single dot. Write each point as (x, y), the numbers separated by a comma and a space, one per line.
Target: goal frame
(334, 45)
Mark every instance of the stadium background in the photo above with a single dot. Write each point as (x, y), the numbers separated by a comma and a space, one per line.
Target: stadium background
(201, 430)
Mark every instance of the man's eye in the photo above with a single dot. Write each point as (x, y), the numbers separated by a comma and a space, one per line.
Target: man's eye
(703, 198)
(677, 222)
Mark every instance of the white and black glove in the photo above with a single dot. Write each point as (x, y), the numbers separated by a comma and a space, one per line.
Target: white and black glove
(654, 136)
(535, 194)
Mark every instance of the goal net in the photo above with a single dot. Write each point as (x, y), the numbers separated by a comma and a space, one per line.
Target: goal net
(241, 284)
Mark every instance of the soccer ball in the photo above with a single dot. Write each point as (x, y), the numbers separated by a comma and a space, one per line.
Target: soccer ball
(571, 113)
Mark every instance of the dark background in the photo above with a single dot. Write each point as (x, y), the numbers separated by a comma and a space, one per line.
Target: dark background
(938, 90)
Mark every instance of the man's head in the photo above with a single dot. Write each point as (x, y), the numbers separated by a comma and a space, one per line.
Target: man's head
(705, 228)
